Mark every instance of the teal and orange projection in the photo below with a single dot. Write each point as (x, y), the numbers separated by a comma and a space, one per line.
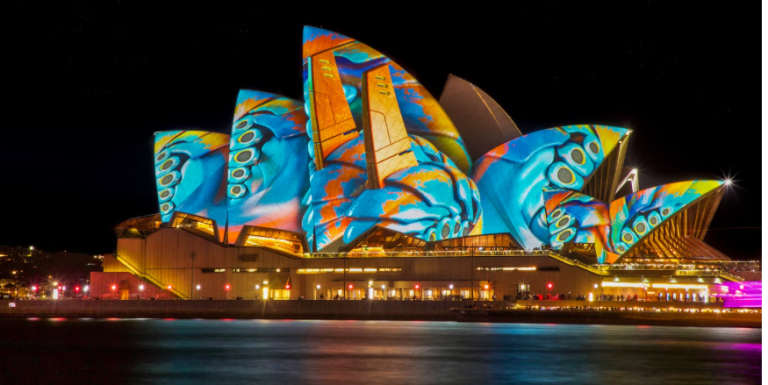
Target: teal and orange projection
(369, 147)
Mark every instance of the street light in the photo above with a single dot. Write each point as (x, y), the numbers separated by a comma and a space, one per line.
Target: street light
(113, 291)
(316, 289)
(226, 287)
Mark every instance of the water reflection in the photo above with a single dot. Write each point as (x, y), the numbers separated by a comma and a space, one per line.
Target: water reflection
(373, 352)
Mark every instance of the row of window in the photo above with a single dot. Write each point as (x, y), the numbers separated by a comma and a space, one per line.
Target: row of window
(531, 268)
(258, 270)
(350, 270)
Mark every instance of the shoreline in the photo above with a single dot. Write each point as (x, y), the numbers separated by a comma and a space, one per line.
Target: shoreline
(363, 311)
(598, 317)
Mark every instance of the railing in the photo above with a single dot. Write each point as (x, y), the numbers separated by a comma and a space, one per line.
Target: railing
(442, 253)
(577, 263)
(709, 273)
(639, 267)
(460, 253)
(148, 277)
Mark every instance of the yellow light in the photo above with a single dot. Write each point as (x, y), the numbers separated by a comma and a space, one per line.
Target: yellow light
(623, 284)
(370, 269)
(356, 270)
(679, 286)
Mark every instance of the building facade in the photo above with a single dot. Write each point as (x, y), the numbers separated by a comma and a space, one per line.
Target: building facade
(368, 189)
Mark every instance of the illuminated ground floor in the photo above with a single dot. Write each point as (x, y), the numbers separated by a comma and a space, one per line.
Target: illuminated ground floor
(174, 263)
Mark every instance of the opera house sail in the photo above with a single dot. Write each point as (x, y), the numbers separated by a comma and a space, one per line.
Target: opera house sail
(369, 162)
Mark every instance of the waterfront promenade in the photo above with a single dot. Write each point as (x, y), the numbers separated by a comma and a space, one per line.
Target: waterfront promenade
(253, 309)
(581, 312)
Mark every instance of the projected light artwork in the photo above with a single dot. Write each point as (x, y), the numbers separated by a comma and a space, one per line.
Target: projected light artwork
(191, 169)
(267, 176)
(370, 149)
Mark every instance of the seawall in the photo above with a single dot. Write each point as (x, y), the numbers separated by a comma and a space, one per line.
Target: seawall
(603, 317)
(249, 309)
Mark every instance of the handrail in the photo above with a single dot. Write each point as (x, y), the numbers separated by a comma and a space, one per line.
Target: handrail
(459, 253)
(577, 263)
(408, 254)
(710, 273)
(148, 277)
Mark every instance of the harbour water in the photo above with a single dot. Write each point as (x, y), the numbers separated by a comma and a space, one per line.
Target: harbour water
(154, 351)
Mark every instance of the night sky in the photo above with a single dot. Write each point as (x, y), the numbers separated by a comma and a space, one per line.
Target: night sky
(85, 87)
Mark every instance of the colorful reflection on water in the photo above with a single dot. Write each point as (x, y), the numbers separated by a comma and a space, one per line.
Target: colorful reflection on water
(372, 352)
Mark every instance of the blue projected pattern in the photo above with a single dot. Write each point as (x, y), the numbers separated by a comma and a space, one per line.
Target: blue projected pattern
(191, 169)
(370, 148)
(511, 177)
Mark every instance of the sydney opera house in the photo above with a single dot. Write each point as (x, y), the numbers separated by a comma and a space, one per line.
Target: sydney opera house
(371, 187)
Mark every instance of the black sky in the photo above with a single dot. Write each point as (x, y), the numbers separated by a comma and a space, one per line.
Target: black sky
(85, 86)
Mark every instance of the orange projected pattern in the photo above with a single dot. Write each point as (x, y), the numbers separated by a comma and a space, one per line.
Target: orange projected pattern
(332, 122)
(387, 146)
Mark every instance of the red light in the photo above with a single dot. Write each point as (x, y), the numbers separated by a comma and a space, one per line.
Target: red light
(288, 286)
(60, 287)
(549, 286)
(226, 287)
(169, 287)
(34, 288)
(114, 287)
(350, 286)
(417, 287)
(77, 288)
